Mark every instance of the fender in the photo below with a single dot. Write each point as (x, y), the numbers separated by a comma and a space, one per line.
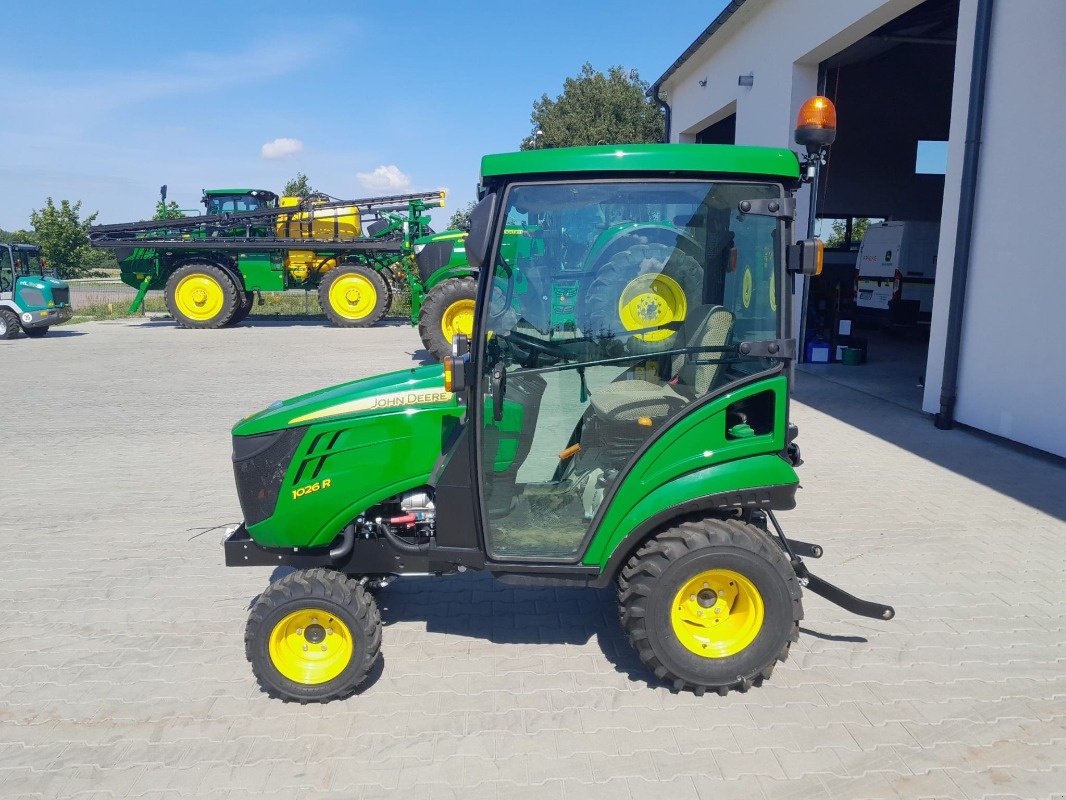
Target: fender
(694, 456)
(682, 497)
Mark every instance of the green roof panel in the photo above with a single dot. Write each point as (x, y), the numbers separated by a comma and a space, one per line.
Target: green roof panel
(771, 162)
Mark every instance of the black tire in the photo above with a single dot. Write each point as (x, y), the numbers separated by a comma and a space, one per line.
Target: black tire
(320, 590)
(243, 310)
(36, 333)
(224, 309)
(363, 311)
(654, 577)
(9, 324)
(437, 303)
(598, 306)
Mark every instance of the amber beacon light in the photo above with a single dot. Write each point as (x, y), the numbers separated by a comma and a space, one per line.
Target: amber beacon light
(816, 124)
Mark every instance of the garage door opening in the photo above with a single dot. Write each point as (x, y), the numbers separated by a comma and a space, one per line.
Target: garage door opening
(880, 196)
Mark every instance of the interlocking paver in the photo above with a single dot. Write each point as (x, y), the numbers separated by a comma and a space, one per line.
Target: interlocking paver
(122, 669)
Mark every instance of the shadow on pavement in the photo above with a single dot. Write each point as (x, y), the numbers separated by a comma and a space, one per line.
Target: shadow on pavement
(1022, 473)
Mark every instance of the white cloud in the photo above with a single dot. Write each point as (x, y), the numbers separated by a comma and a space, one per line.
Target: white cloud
(281, 147)
(387, 176)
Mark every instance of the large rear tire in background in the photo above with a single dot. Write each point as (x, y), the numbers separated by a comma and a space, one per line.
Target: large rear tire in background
(243, 310)
(36, 333)
(711, 604)
(201, 295)
(644, 286)
(9, 324)
(354, 296)
(313, 636)
(448, 309)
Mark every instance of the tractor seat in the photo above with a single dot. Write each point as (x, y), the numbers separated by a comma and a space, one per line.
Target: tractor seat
(630, 400)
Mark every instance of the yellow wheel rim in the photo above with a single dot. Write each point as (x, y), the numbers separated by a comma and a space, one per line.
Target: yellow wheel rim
(199, 297)
(717, 614)
(458, 318)
(310, 646)
(353, 296)
(651, 301)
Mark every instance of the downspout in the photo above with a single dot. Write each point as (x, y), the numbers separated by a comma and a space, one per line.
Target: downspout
(666, 113)
(945, 419)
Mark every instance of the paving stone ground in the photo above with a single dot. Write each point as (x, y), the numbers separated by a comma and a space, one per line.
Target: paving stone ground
(122, 671)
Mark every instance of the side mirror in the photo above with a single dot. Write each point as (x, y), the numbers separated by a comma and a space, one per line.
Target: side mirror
(480, 237)
(805, 257)
(460, 345)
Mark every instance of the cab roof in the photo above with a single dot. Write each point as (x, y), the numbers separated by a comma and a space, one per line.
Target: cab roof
(770, 162)
(216, 192)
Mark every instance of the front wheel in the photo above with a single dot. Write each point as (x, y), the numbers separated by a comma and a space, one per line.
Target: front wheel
(313, 636)
(354, 296)
(711, 604)
(201, 295)
(36, 333)
(9, 324)
(448, 309)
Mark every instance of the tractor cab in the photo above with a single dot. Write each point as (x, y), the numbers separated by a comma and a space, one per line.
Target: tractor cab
(32, 297)
(235, 201)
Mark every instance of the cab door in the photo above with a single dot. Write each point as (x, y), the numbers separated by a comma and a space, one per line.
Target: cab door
(7, 274)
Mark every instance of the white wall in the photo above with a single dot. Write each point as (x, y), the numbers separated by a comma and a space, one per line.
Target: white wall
(781, 42)
(1012, 376)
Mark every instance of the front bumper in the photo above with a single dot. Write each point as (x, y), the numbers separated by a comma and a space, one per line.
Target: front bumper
(45, 318)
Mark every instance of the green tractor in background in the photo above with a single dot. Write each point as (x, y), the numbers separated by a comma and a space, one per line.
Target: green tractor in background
(620, 416)
(251, 242)
(32, 297)
(579, 244)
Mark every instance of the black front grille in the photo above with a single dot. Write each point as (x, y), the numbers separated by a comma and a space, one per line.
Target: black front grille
(61, 296)
(259, 466)
(434, 256)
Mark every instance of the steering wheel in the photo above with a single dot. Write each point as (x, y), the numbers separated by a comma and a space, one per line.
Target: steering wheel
(537, 346)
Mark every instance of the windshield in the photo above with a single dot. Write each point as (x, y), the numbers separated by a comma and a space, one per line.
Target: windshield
(29, 262)
(225, 204)
(632, 268)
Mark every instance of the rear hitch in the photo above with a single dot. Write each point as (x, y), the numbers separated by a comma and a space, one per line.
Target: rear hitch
(794, 549)
(837, 596)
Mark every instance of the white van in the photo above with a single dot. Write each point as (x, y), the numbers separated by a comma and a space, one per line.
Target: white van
(897, 259)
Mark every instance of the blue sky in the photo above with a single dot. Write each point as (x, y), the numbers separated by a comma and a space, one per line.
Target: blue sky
(117, 98)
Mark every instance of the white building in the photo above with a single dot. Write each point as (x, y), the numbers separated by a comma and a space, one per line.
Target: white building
(900, 73)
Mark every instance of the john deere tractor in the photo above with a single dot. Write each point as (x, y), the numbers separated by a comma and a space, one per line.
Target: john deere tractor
(635, 435)
(31, 296)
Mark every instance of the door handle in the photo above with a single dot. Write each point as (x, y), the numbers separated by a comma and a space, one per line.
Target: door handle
(499, 386)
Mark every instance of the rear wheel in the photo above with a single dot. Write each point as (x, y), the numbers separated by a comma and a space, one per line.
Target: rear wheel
(711, 604)
(36, 333)
(9, 324)
(243, 310)
(448, 309)
(313, 636)
(201, 295)
(646, 287)
(354, 296)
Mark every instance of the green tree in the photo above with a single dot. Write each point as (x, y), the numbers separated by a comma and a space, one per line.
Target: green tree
(64, 237)
(169, 211)
(298, 187)
(17, 237)
(461, 218)
(838, 233)
(595, 108)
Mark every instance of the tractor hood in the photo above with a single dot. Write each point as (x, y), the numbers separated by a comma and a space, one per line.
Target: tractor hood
(421, 387)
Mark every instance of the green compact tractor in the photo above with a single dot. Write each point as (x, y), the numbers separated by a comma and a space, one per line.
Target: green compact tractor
(635, 435)
(31, 296)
